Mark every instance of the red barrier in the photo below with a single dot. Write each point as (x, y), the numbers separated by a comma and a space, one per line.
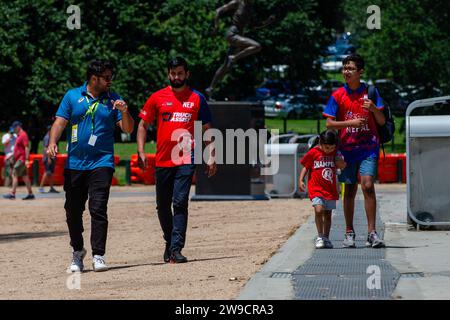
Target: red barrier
(148, 176)
(388, 168)
(2, 165)
(114, 181)
(143, 176)
(58, 174)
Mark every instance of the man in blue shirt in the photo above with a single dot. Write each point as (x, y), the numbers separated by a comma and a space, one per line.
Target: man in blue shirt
(90, 113)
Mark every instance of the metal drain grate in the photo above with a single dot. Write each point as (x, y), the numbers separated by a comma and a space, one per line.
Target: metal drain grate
(282, 275)
(412, 275)
(344, 273)
(326, 287)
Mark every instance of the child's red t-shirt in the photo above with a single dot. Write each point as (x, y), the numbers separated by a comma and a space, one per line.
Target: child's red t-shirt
(321, 173)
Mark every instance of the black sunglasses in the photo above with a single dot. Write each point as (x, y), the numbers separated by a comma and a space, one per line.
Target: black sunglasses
(107, 79)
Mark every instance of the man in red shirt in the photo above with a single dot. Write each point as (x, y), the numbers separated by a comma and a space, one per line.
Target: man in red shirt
(175, 108)
(21, 157)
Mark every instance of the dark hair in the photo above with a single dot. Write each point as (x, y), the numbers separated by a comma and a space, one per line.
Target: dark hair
(177, 62)
(328, 137)
(97, 67)
(356, 58)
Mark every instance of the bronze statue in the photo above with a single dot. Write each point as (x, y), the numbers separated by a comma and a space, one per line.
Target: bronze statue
(239, 45)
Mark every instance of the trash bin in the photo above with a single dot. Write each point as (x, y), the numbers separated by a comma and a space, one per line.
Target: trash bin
(284, 182)
(428, 168)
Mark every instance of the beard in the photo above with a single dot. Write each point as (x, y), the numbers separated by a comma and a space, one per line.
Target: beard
(177, 84)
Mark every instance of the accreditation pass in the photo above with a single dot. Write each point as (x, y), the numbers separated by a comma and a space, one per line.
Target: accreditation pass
(74, 133)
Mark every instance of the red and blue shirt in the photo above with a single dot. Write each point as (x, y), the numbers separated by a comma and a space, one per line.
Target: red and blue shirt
(356, 144)
(321, 173)
(175, 114)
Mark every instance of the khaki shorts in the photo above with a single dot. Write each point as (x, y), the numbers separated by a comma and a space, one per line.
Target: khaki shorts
(8, 167)
(19, 169)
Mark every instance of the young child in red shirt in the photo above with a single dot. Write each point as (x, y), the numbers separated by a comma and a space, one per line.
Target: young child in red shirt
(320, 163)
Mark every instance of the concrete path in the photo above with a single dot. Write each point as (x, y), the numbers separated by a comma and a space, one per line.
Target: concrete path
(414, 264)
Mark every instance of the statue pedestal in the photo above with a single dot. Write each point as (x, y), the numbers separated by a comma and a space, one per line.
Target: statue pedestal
(233, 181)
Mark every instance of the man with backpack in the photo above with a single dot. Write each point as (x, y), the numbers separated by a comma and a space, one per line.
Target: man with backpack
(360, 121)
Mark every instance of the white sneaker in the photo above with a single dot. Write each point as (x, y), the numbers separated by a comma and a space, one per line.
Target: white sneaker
(98, 264)
(77, 261)
(320, 243)
(349, 240)
(374, 241)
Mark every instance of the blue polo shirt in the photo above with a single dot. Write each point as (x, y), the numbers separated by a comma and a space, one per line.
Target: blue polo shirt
(81, 155)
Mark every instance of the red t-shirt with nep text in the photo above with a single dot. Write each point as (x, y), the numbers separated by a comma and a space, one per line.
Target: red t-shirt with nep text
(321, 173)
(175, 114)
(20, 145)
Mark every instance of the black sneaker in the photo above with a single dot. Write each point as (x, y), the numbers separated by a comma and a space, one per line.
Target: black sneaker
(9, 196)
(29, 197)
(53, 190)
(177, 257)
(167, 253)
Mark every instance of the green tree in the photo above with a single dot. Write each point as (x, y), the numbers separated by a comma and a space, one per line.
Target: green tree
(412, 47)
(40, 58)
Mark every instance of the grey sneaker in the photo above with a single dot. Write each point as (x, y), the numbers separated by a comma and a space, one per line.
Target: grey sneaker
(320, 243)
(77, 261)
(9, 196)
(328, 243)
(98, 264)
(349, 240)
(374, 241)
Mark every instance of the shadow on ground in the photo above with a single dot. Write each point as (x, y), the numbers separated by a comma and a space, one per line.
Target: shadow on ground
(10, 237)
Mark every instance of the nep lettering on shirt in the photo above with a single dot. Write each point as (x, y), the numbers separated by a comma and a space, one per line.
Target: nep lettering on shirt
(188, 105)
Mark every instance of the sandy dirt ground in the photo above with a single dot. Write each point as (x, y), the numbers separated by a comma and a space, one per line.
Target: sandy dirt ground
(227, 242)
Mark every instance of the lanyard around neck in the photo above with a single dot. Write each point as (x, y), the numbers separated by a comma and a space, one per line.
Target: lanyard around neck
(91, 112)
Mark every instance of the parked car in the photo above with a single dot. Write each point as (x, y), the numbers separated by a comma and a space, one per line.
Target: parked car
(332, 62)
(322, 91)
(339, 49)
(292, 107)
(413, 92)
(392, 94)
(272, 88)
